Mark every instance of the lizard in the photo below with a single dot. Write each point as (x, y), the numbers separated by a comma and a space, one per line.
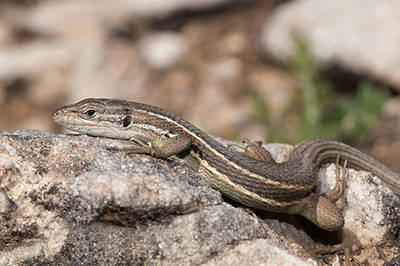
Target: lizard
(251, 177)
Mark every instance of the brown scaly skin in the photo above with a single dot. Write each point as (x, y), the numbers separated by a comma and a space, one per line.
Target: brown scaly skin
(252, 178)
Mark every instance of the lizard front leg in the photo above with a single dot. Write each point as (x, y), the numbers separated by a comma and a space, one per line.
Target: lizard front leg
(161, 147)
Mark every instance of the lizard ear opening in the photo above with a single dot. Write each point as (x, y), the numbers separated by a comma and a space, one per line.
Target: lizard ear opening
(126, 121)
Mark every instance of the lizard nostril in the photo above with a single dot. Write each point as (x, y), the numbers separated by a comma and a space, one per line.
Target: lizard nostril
(58, 115)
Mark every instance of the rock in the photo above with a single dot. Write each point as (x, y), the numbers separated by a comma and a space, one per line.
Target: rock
(5, 33)
(6, 205)
(30, 60)
(59, 16)
(160, 8)
(364, 42)
(225, 69)
(253, 253)
(371, 212)
(84, 200)
(63, 49)
(162, 50)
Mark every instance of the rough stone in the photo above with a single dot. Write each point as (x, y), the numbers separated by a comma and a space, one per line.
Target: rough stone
(75, 199)
(371, 212)
(253, 253)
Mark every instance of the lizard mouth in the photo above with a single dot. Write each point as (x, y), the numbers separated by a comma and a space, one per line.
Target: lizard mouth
(66, 119)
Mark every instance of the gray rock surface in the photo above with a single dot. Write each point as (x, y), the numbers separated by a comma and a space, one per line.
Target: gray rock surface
(75, 199)
(357, 35)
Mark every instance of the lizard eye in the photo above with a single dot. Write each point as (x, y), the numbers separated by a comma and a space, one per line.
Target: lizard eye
(90, 113)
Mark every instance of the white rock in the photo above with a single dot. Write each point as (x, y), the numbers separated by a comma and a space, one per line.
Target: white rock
(162, 50)
(365, 41)
(371, 208)
(163, 8)
(32, 58)
(225, 68)
(59, 16)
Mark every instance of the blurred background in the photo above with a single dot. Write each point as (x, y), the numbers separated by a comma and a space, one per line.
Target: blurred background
(277, 71)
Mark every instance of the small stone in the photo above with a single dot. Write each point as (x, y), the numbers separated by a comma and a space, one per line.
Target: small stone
(5, 203)
(162, 50)
(226, 68)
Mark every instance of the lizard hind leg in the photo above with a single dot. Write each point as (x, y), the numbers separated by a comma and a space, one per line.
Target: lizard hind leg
(341, 182)
(321, 209)
(254, 149)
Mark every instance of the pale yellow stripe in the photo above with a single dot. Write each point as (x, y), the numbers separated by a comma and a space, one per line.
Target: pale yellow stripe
(237, 167)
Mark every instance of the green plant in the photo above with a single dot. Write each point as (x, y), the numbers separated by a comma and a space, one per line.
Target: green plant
(321, 111)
